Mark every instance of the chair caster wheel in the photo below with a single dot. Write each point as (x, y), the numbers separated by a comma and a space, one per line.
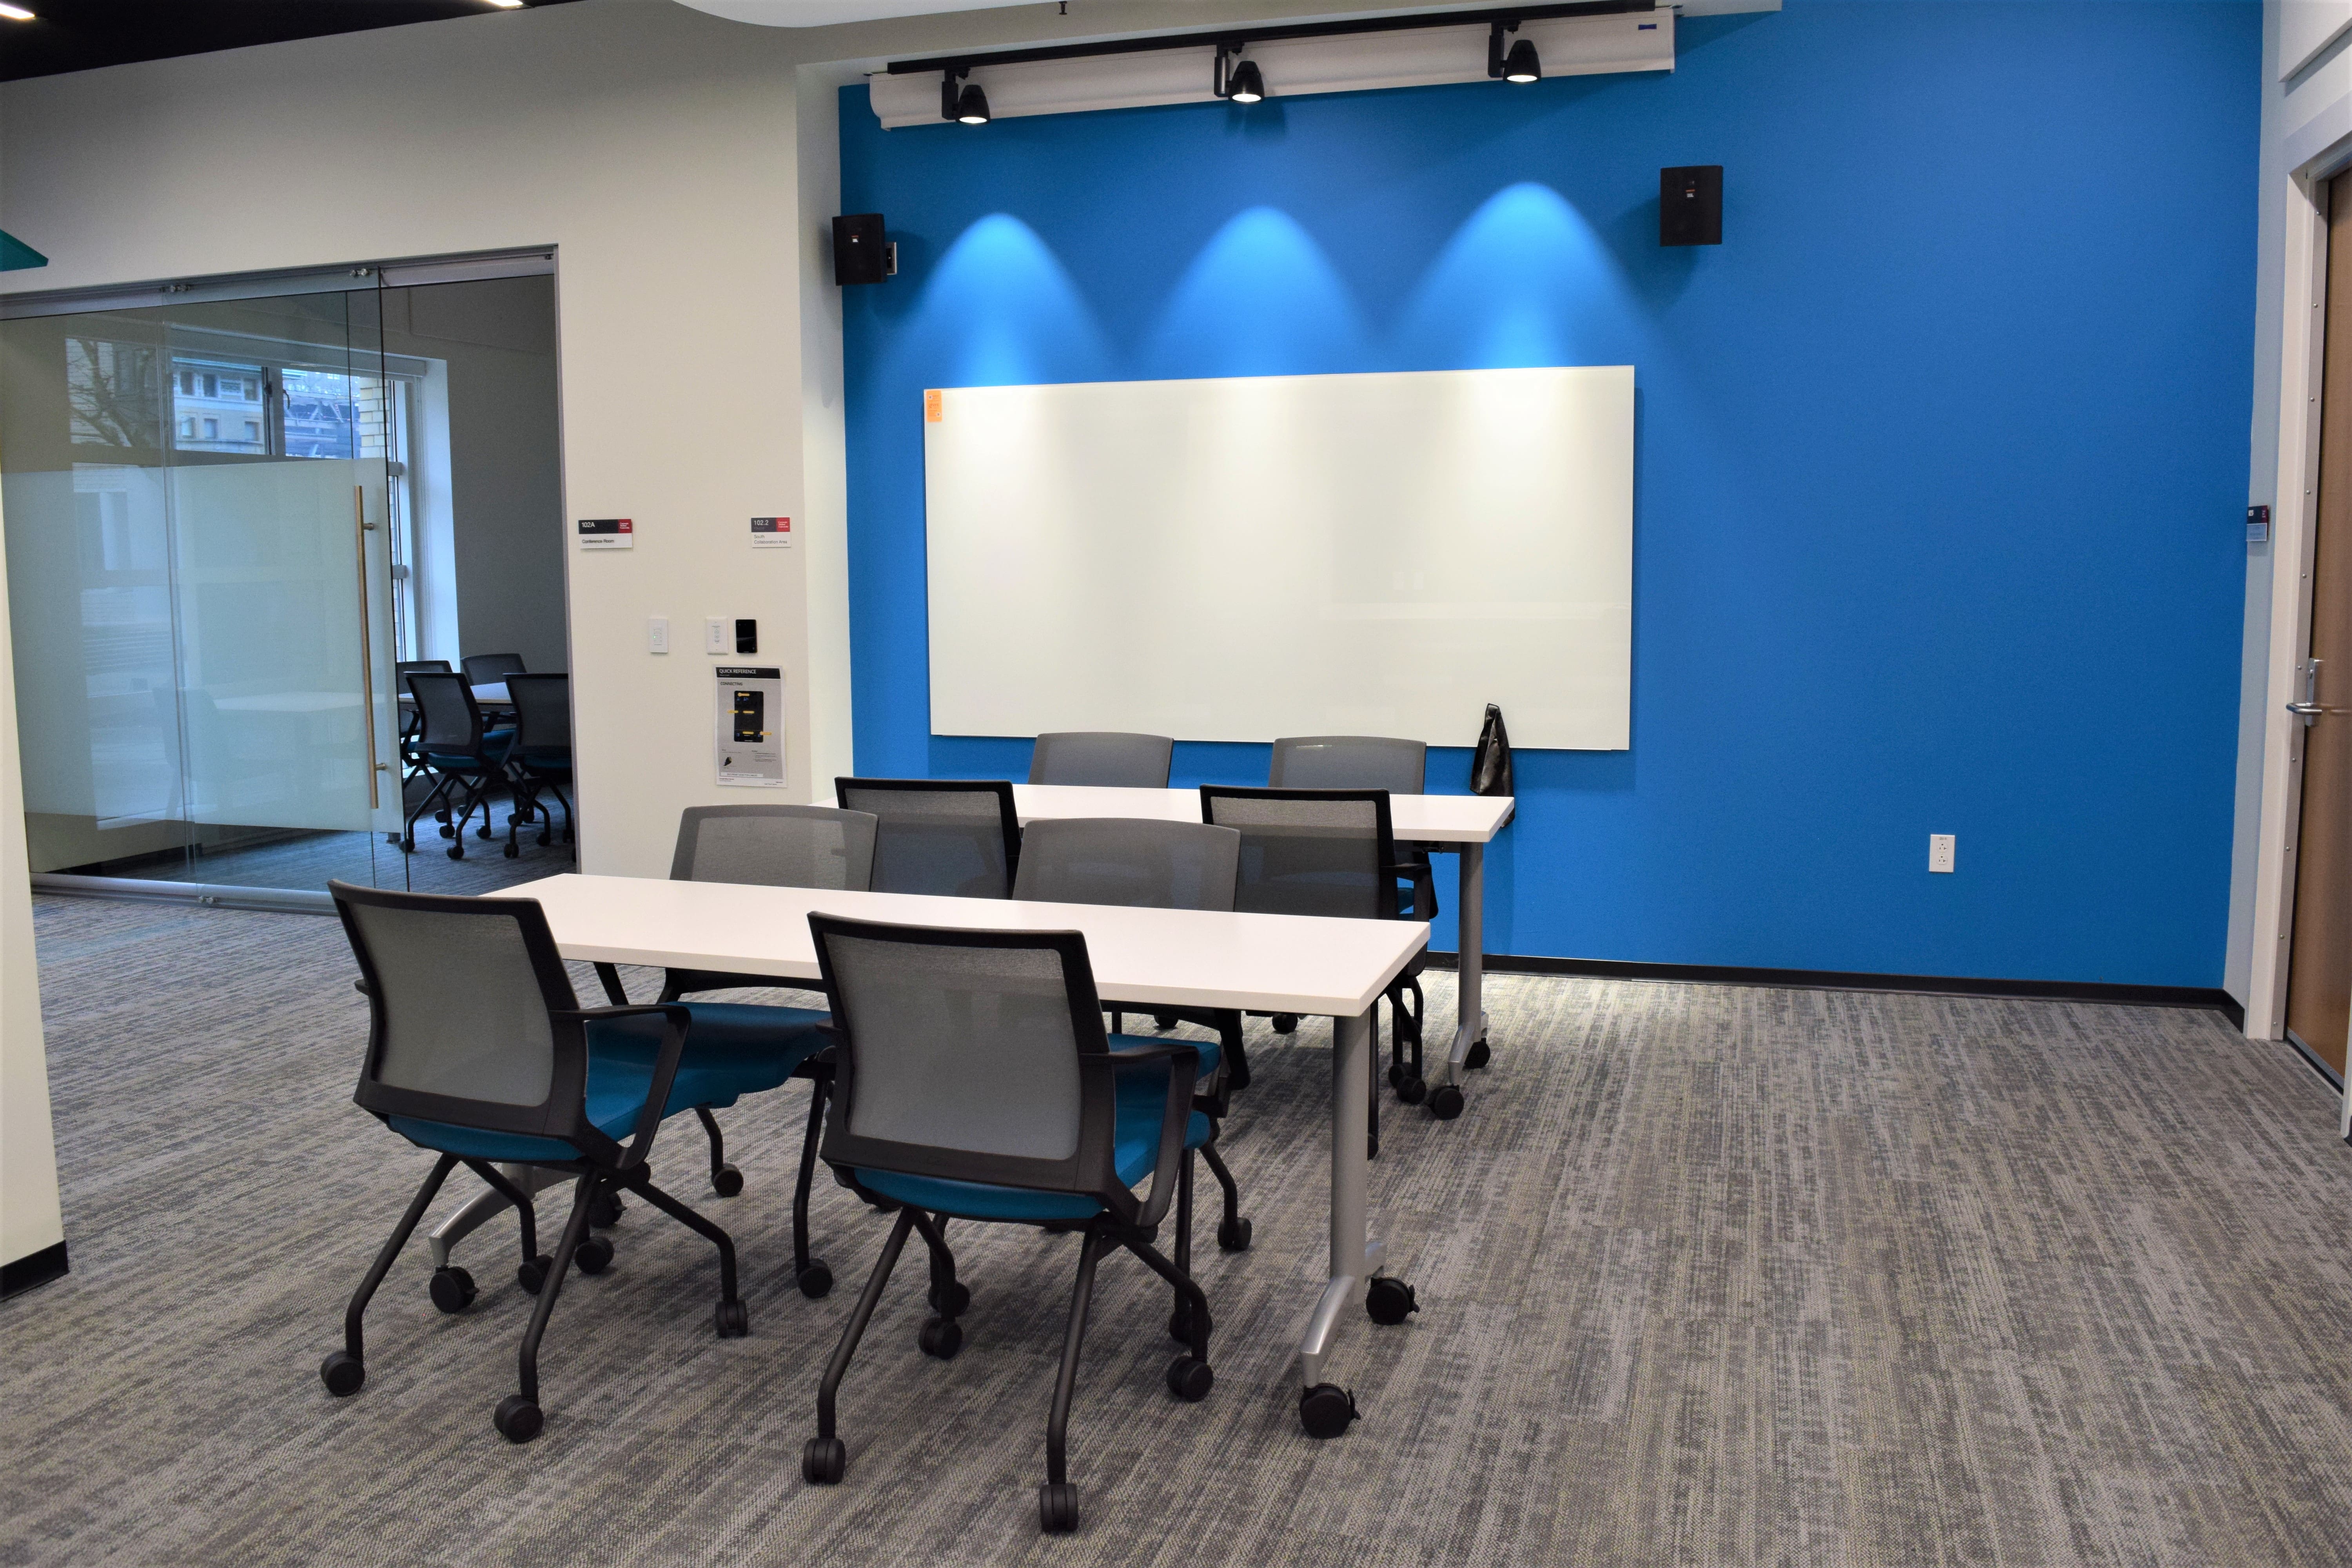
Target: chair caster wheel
(1190, 1380)
(517, 1419)
(1286, 1023)
(604, 1210)
(1446, 1103)
(545, 839)
(1163, 1020)
(448, 831)
(814, 1280)
(1058, 1508)
(1234, 1235)
(595, 1255)
(483, 831)
(512, 852)
(824, 1461)
(408, 846)
(940, 1337)
(1326, 1409)
(951, 1301)
(1479, 1056)
(530, 1276)
(1412, 1090)
(1390, 1301)
(342, 1374)
(733, 1320)
(457, 852)
(452, 1290)
(726, 1181)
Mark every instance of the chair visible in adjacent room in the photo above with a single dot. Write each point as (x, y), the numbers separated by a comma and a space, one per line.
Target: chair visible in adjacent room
(464, 760)
(974, 1079)
(540, 762)
(1331, 852)
(411, 720)
(1101, 757)
(1144, 863)
(489, 669)
(953, 837)
(479, 1052)
(771, 847)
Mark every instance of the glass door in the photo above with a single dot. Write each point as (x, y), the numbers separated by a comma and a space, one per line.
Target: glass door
(196, 496)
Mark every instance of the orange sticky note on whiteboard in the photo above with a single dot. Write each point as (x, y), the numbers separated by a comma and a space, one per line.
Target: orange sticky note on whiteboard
(931, 407)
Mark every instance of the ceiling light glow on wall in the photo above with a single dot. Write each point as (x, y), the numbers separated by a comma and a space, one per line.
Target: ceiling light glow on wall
(17, 13)
(1520, 65)
(508, 5)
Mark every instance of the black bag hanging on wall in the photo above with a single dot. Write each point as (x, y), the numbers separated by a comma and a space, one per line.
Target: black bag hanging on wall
(1490, 764)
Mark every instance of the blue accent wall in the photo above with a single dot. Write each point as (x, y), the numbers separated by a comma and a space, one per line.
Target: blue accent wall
(1941, 455)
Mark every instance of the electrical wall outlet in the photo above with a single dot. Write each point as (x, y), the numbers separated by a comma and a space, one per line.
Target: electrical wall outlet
(1941, 848)
(657, 633)
(718, 633)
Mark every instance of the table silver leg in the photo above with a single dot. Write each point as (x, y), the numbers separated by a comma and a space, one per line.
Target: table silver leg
(1470, 915)
(484, 1206)
(1354, 1253)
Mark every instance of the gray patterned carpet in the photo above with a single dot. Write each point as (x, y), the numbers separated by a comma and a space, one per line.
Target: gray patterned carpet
(1709, 1276)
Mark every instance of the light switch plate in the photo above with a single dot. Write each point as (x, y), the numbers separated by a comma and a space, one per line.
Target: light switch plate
(718, 634)
(657, 633)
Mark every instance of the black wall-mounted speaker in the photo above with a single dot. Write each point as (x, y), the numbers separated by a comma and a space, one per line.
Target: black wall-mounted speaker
(859, 251)
(1690, 205)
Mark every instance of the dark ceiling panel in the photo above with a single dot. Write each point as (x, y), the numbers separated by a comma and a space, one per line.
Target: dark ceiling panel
(79, 34)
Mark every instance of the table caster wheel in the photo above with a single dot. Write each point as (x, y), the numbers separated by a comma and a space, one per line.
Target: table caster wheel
(1286, 1023)
(452, 1290)
(1390, 1301)
(530, 1276)
(1234, 1235)
(342, 1374)
(940, 1337)
(517, 1419)
(1326, 1409)
(512, 851)
(1058, 1508)
(816, 1279)
(726, 1181)
(1445, 1104)
(604, 1210)
(1412, 1090)
(595, 1255)
(1190, 1380)
(733, 1320)
(824, 1461)
(1479, 1056)
(951, 1301)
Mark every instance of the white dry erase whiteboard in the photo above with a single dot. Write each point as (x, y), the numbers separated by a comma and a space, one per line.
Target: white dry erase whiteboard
(1242, 559)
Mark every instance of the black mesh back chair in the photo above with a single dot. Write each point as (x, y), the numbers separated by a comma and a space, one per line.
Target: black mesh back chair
(411, 762)
(1363, 762)
(479, 1052)
(953, 837)
(489, 669)
(1329, 853)
(771, 847)
(1140, 863)
(1101, 757)
(538, 763)
(464, 760)
(974, 1079)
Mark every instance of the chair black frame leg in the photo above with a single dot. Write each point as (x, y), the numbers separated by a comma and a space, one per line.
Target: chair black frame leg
(524, 1212)
(854, 1330)
(1066, 1381)
(574, 1230)
(1188, 1290)
(818, 1091)
(719, 1166)
(641, 1185)
(354, 1342)
(1217, 1164)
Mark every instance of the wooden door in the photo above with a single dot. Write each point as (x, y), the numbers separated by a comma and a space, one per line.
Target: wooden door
(2319, 967)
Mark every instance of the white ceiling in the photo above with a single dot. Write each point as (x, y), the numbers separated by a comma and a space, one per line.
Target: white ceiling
(826, 13)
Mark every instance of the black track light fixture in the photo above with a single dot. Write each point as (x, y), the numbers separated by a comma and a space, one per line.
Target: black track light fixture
(1519, 64)
(1236, 79)
(968, 106)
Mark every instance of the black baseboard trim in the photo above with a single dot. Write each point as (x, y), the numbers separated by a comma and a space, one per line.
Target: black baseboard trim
(38, 1269)
(2210, 997)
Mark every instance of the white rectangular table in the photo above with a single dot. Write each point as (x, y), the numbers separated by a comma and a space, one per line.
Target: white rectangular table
(1464, 824)
(1144, 958)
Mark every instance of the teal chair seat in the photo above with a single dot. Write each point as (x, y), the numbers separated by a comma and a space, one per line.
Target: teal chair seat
(732, 1049)
(494, 748)
(1142, 1098)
